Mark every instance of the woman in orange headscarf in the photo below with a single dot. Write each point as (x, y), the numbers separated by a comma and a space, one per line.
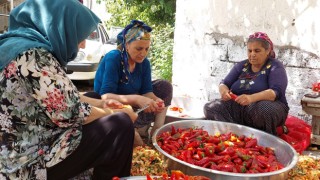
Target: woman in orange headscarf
(253, 93)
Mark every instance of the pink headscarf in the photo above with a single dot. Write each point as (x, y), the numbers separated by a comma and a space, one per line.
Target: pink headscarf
(264, 36)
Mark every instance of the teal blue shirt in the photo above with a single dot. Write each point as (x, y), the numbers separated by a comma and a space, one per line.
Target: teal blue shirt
(108, 75)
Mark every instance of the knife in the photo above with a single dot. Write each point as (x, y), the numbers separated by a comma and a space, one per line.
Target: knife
(142, 109)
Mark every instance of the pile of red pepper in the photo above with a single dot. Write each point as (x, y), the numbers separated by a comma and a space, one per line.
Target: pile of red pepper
(316, 87)
(224, 152)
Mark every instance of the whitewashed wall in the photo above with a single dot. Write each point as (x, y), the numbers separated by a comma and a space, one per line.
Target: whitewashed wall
(210, 37)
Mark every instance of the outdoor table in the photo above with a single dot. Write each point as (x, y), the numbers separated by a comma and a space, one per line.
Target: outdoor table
(312, 107)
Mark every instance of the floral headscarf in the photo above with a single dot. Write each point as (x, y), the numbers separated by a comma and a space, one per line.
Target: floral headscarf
(265, 37)
(136, 30)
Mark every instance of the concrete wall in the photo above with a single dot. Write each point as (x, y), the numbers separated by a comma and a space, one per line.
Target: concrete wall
(210, 37)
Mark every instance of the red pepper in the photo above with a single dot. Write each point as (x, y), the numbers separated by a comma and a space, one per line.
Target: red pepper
(247, 163)
(149, 177)
(175, 144)
(240, 168)
(220, 147)
(274, 166)
(194, 144)
(214, 139)
(255, 165)
(209, 151)
(180, 142)
(115, 178)
(269, 151)
(189, 154)
(171, 147)
(271, 158)
(226, 158)
(191, 161)
(216, 158)
(177, 174)
(166, 149)
(225, 137)
(184, 134)
(239, 144)
(165, 176)
(173, 130)
(251, 143)
(228, 151)
(241, 137)
(202, 162)
(233, 96)
(201, 154)
(192, 136)
(238, 161)
(227, 167)
(196, 157)
(263, 161)
(207, 165)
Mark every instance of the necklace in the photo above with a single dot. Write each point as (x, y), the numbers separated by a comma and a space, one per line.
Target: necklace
(247, 77)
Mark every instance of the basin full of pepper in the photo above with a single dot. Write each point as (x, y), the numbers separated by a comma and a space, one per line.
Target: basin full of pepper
(226, 152)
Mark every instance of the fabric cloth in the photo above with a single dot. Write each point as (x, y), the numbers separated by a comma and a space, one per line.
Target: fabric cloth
(97, 150)
(265, 37)
(263, 115)
(109, 72)
(242, 80)
(136, 30)
(52, 25)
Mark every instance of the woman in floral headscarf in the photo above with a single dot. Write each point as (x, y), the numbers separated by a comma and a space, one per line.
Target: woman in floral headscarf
(124, 74)
(48, 130)
(253, 93)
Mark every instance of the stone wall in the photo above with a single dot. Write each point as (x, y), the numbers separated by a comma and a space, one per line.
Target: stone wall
(210, 37)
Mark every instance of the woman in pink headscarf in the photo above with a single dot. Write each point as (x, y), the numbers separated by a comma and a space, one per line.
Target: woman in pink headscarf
(253, 92)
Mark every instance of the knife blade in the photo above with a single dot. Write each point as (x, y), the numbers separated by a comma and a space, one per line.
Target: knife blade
(142, 109)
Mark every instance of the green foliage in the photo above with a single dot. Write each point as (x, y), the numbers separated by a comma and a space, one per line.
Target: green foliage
(160, 15)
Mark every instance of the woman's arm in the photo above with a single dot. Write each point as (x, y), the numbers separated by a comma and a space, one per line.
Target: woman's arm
(133, 100)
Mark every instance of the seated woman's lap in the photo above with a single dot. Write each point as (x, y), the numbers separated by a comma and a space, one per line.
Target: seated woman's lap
(263, 115)
(164, 90)
(267, 115)
(112, 136)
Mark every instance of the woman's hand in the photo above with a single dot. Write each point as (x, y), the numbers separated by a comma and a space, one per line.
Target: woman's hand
(156, 106)
(128, 110)
(159, 105)
(225, 95)
(266, 95)
(244, 99)
(111, 103)
(224, 92)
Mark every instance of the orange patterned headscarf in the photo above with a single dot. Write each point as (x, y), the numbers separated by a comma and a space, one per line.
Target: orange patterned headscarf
(136, 30)
(265, 37)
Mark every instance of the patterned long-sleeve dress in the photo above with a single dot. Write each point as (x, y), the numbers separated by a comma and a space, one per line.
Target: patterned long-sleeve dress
(40, 115)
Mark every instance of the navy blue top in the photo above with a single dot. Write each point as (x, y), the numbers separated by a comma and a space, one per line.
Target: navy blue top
(242, 80)
(108, 76)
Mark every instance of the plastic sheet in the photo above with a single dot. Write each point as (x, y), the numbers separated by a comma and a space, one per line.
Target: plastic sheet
(298, 135)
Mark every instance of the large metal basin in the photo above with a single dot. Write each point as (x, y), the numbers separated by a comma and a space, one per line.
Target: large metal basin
(284, 152)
